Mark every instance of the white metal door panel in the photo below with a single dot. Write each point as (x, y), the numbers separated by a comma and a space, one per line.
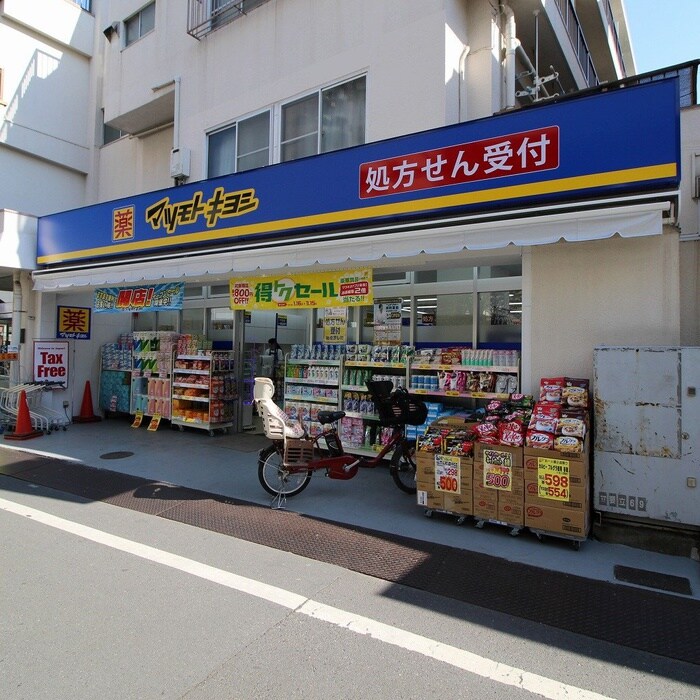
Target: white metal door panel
(644, 487)
(637, 401)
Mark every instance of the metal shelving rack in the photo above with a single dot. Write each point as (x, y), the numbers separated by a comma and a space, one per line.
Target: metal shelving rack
(204, 391)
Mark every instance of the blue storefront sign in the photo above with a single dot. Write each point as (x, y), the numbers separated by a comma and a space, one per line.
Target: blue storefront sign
(607, 144)
(146, 297)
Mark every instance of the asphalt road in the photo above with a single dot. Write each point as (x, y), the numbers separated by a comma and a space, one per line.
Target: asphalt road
(104, 602)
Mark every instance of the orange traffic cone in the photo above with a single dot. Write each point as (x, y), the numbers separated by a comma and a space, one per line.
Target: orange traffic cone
(86, 413)
(23, 428)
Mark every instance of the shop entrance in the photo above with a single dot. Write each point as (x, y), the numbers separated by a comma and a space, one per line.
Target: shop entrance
(460, 306)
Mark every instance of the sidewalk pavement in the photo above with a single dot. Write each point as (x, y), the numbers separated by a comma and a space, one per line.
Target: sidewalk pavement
(226, 465)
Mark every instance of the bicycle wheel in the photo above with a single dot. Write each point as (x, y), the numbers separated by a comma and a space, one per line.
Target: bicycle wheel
(275, 479)
(403, 466)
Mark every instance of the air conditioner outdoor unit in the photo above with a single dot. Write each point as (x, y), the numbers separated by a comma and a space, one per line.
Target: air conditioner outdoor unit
(180, 162)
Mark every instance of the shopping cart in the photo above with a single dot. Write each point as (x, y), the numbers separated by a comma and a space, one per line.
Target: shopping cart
(42, 417)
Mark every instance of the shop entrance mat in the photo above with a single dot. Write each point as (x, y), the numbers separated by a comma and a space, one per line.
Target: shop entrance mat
(649, 621)
(653, 579)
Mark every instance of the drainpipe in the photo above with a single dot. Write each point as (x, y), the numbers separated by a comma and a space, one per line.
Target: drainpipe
(462, 93)
(16, 326)
(176, 125)
(179, 159)
(511, 46)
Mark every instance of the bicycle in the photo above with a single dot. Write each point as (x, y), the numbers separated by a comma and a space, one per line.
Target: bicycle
(286, 466)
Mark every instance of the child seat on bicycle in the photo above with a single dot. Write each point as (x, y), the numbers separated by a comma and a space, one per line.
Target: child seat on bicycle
(276, 423)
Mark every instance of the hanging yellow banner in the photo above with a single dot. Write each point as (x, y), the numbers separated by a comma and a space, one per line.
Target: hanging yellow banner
(308, 290)
(335, 326)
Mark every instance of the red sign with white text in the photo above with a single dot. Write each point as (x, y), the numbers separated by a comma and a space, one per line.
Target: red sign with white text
(512, 154)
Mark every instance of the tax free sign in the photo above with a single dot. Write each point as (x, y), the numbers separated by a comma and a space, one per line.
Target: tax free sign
(609, 144)
(51, 363)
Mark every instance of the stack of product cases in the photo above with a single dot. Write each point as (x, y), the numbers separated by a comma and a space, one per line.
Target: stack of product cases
(525, 463)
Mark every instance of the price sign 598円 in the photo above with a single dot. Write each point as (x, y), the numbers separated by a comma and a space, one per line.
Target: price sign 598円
(553, 479)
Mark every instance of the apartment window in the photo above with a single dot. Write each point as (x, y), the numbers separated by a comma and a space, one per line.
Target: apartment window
(141, 23)
(242, 146)
(109, 133)
(325, 121)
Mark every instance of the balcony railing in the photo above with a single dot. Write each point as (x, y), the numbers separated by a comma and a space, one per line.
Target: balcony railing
(205, 16)
(578, 41)
(687, 80)
(616, 38)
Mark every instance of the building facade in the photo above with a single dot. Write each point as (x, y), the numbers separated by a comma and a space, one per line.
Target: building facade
(600, 248)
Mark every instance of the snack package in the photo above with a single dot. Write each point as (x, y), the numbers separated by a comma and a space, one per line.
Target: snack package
(575, 392)
(568, 444)
(486, 381)
(487, 432)
(501, 385)
(431, 441)
(451, 356)
(572, 427)
(525, 401)
(539, 439)
(472, 383)
(544, 417)
(496, 407)
(511, 433)
(459, 446)
(551, 389)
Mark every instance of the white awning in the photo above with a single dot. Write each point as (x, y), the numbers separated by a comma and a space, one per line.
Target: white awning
(641, 219)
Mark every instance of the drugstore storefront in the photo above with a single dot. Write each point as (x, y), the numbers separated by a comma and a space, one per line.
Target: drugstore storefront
(547, 231)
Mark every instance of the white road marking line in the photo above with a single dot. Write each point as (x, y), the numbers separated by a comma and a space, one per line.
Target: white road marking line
(431, 648)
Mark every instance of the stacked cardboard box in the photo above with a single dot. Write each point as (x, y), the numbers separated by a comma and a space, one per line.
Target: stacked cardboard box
(499, 483)
(557, 488)
(444, 465)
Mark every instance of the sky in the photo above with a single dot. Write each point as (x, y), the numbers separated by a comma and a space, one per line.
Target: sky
(664, 32)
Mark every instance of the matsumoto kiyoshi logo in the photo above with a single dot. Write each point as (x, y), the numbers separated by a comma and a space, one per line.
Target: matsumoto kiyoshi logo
(221, 205)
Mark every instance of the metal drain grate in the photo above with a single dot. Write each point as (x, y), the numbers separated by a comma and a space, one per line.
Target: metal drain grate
(117, 455)
(653, 579)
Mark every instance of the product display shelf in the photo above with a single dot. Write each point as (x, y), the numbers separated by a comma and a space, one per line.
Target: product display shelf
(150, 383)
(434, 382)
(115, 390)
(361, 431)
(310, 386)
(114, 395)
(204, 391)
(250, 364)
(151, 368)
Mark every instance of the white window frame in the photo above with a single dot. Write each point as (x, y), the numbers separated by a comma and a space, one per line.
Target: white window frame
(236, 123)
(139, 14)
(275, 112)
(318, 91)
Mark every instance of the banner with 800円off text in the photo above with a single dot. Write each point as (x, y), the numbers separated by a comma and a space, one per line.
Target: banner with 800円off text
(308, 290)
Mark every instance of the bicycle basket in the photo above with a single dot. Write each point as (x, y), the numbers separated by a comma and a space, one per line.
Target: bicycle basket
(397, 407)
(298, 451)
